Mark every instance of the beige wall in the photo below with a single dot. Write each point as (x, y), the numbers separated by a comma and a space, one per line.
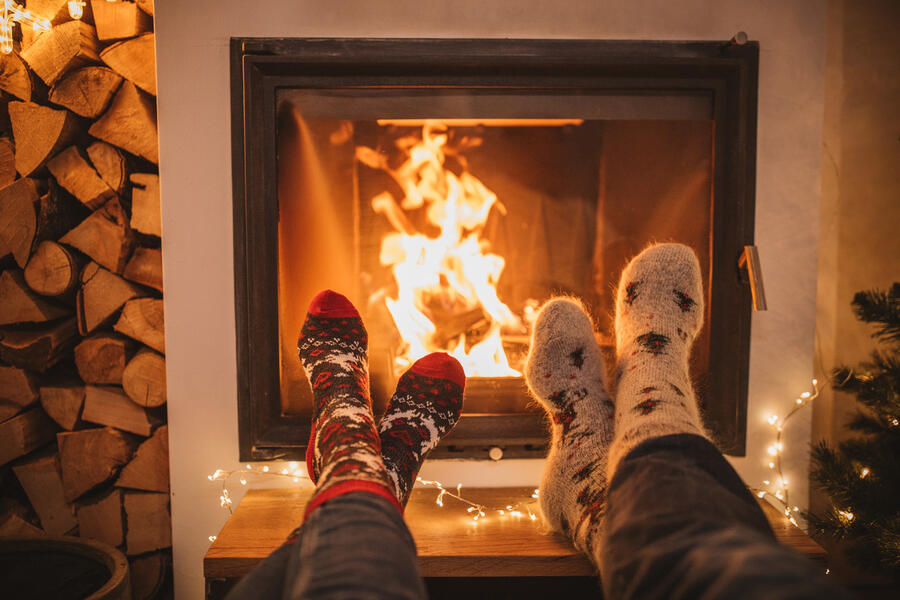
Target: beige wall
(195, 169)
(860, 216)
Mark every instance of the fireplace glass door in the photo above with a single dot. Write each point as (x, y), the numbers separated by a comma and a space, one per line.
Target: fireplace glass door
(449, 211)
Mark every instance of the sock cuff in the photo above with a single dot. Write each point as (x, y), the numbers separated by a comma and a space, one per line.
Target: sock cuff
(348, 487)
(330, 304)
(440, 365)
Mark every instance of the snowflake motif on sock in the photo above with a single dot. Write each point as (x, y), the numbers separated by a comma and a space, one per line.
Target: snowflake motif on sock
(576, 358)
(647, 406)
(676, 389)
(648, 389)
(684, 302)
(565, 417)
(631, 292)
(592, 499)
(654, 343)
(586, 471)
(682, 334)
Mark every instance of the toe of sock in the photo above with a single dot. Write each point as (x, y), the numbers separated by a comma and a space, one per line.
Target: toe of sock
(441, 366)
(331, 304)
(662, 268)
(561, 318)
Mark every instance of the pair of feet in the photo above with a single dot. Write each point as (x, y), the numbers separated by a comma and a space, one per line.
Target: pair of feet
(347, 451)
(659, 311)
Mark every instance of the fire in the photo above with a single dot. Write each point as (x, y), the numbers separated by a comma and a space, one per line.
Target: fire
(450, 278)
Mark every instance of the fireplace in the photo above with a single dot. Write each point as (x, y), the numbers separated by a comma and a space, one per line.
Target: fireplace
(451, 186)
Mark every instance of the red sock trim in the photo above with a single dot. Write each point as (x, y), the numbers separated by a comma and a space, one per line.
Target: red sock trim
(311, 453)
(347, 487)
(330, 304)
(440, 365)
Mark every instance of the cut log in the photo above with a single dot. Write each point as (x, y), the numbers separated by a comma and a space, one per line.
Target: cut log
(73, 172)
(101, 358)
(63, 48)
(119, 20)
(146, 6)
(18, 217)
(42, 481)
(110, 164)
(24, 433)
(108, 405)
(145, 267)
(63, 404)
(14, 526)
(53, 270)
(4, 249)
(135, 60)
(143, 320)
(101, 518)
(7, 162)
(91, 457)
(148, 525)
(18, 304)
(130, 123)
(39, 132)
(18, 391)
(145, 214)
(86, 91)
(27, 218)
(149, 469)
(105, 236)
(15, 78)
(144, 378)
(38, 349)
(101, 295)
(148, 574)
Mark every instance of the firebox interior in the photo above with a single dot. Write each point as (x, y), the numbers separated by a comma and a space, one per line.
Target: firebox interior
(577, 193)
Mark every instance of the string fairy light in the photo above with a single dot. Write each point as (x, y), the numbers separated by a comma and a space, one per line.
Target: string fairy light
(296, 473)
(11, 13)
(779, 493)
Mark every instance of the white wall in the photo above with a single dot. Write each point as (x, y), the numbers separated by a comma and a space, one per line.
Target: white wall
(195, 167)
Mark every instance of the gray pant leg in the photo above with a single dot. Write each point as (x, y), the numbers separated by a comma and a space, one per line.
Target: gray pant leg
(355, 546)
(680, 523)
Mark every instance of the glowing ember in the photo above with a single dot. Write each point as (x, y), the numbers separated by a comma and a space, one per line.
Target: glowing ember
(446, 297)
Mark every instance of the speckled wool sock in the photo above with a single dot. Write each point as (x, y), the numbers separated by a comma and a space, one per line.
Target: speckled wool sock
(659, 311)
(346, 448)
(422, 411)
(565, 373)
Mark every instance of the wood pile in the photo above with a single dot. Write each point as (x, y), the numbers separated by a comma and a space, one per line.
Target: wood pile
(83, 435)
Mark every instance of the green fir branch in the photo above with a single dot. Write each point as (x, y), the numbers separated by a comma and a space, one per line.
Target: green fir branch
(881, 309)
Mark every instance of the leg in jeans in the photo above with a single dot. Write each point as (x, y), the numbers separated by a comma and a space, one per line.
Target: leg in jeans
(679, 522)
(354, 543)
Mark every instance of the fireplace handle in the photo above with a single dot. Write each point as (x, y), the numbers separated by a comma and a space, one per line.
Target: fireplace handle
(750, 260)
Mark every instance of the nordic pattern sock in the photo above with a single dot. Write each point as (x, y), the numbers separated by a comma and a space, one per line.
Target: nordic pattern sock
(346, 448)
(659, 311)
(423, 410)
(565, 372)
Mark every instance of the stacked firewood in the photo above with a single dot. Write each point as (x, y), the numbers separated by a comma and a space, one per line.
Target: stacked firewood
(83, 440)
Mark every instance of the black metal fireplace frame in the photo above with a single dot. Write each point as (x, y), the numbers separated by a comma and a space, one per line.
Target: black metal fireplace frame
(725, 71)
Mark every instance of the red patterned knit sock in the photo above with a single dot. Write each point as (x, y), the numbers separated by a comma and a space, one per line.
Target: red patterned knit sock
(423, 410)
(346, 453)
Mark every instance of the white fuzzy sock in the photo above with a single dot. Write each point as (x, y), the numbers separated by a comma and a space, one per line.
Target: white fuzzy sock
(565, 372)
(659, 311)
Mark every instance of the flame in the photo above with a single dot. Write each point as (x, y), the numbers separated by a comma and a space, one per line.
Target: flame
(452, 271)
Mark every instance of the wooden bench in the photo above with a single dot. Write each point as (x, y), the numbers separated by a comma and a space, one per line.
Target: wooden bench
(450, 544)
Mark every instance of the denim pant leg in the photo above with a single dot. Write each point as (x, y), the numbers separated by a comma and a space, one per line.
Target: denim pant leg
(680, 523)
(354, 546)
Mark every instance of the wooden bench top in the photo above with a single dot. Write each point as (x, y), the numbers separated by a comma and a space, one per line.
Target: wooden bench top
(449, 543)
